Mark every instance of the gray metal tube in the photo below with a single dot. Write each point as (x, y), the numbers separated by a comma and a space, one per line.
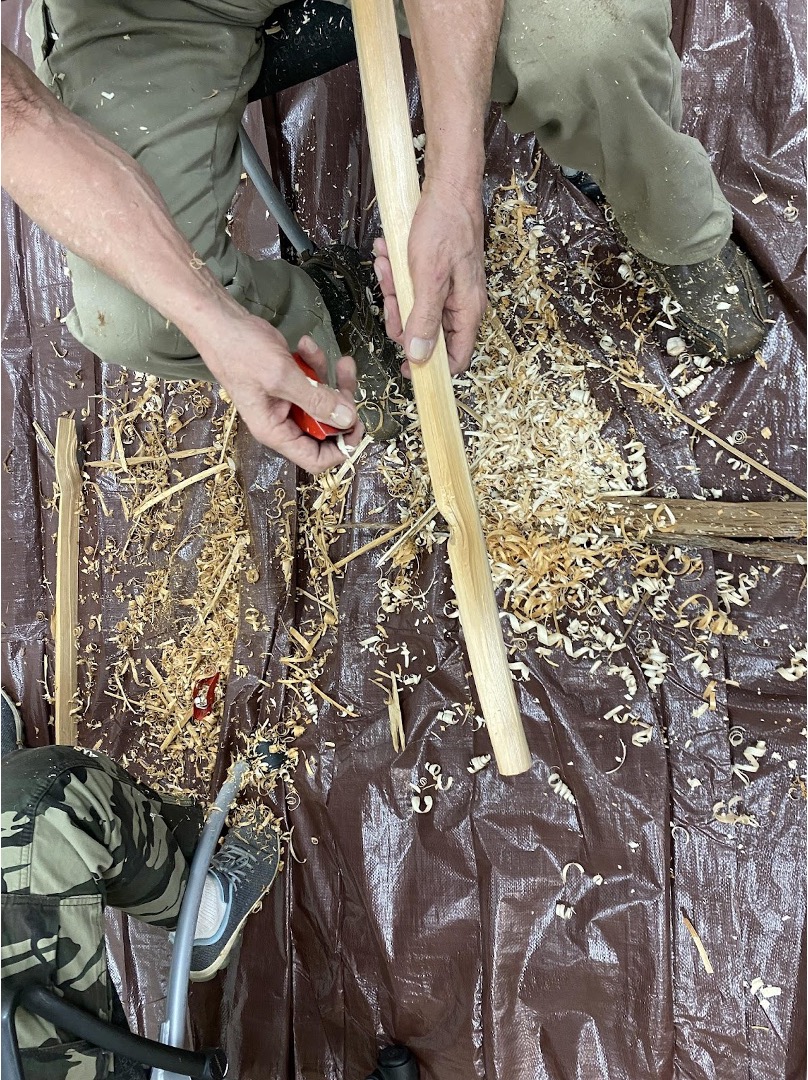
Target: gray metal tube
(265, 185)
(173, 1033)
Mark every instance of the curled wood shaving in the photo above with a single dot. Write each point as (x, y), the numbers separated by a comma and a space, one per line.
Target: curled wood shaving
(560, 788)
(565, 870)
(751, 754)
(729, 817)
(620, 760)
(477, 764)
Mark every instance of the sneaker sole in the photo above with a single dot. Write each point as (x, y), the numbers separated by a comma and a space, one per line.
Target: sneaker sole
(223, 958)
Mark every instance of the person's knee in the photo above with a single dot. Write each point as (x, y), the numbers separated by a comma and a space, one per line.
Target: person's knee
(570, 70)
(120, 328)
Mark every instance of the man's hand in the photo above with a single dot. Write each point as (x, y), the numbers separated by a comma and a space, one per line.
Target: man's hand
(137, 243)
(445, 253)
(250, 359)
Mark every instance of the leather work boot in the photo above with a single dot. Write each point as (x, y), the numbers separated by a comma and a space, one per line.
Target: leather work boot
(350, 291)
(724, 306)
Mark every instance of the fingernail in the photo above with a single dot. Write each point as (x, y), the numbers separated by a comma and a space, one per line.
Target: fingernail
(342, 416)
(420, 348)
(308, 345)
(377, 271)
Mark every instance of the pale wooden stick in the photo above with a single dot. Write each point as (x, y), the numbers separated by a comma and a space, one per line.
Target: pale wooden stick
(155, 499)
(66, 613)
(396, 179)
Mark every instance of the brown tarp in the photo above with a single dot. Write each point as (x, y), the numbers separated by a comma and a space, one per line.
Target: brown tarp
(440, 931)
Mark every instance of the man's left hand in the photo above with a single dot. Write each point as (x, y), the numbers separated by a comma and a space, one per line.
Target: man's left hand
(445, 254)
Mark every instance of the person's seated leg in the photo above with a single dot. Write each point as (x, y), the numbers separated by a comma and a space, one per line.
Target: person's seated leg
(169, 84)
(240, 875)
(600, 86)
(80, 833)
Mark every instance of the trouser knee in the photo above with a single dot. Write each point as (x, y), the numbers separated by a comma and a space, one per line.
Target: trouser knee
(121, 328)
(603, 95)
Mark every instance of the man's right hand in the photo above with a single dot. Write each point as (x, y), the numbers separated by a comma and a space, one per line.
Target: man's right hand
(138, 244)
(251, 360)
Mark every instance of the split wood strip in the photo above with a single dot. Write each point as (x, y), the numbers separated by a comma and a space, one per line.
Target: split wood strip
(44, 441)
(66, 612)
(369, 546)
(396, 179)
(699, 518)
(148, 459)
(162, 495)
(769, 550)
(396, 719)
(415, 528)
(178, 726)
(705, 959)
(238, 548)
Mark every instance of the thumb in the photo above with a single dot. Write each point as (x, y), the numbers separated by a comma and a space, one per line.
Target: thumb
(318, 400)
(424, 323)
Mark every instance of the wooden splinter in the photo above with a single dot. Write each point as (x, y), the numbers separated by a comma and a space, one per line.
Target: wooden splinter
(66, 611)
(396, 179)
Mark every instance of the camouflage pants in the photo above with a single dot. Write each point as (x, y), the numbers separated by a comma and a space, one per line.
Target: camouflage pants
(79, 833)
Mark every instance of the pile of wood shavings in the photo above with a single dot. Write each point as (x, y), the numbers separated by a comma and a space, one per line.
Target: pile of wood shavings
(540, 460)
(183, 615)
(565, 558)
(321, 510)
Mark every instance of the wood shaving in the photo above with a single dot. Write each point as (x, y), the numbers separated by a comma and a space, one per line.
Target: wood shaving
(561, 789)
(477, 764)
(705, 959)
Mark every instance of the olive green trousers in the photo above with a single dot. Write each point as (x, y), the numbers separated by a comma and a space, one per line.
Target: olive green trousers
(598, 82)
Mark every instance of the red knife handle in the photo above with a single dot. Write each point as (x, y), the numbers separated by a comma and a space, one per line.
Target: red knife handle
(307, 423)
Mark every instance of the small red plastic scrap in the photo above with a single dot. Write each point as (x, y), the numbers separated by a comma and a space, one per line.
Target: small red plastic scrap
(204, 695)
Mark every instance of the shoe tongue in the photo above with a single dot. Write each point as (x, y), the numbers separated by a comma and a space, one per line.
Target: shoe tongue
(212, 909)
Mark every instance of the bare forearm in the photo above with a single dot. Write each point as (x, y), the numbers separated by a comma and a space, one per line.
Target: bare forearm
(101, 205)
(455, 42)
(98, 202)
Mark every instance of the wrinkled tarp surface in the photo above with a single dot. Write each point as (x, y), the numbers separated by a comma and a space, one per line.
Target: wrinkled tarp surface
(440, 931)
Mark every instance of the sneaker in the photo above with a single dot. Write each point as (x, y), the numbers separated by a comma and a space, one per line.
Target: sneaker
(350, 292)
(11, 729)
(244, 868)
(724, 306)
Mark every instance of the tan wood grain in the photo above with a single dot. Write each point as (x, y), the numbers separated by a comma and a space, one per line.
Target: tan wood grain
(396, 180)
(66, 612)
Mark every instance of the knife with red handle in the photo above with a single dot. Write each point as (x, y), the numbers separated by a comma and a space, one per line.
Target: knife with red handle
(306, 423)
